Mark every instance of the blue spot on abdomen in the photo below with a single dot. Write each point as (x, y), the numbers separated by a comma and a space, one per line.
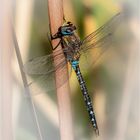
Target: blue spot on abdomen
(74, 64)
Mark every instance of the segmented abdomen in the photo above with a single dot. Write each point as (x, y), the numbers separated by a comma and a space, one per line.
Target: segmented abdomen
(87, 99)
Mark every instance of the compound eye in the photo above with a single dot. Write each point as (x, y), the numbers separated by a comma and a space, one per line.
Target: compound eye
(69, 30)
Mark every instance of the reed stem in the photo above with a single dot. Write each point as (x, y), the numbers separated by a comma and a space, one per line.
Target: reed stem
(55, 10)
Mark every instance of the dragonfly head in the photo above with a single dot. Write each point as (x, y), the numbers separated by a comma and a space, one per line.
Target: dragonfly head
(67, 29)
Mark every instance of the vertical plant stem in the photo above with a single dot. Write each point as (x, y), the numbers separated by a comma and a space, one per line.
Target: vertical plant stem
(24, 79)
(55, 10)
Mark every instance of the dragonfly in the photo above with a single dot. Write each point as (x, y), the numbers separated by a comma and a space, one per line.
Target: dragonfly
(72, 50)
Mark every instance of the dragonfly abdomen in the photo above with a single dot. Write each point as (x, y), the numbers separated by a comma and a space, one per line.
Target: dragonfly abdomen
(86, 99)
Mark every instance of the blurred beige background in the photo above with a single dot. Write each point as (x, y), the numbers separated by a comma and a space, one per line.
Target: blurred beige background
(113, 82)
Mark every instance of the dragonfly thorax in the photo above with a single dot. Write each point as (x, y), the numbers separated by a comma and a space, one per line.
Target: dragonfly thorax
(72, 55)
(72, 45)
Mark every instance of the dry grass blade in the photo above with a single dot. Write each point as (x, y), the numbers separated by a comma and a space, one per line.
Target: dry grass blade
(27, 91)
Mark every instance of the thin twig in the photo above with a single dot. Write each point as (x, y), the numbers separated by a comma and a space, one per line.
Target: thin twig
(24, 78)
(55, 9)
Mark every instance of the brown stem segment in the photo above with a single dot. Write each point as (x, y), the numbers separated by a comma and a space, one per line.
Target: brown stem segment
(55, 10)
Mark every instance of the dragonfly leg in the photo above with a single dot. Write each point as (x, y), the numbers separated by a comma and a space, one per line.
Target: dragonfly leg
(57, 35)
(53, 48)
(49, 38)
(64, 19)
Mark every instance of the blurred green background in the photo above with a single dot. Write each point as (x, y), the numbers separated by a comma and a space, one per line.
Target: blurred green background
(111, 81)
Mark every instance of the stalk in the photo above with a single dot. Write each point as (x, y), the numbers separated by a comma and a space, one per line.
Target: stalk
(55, 10)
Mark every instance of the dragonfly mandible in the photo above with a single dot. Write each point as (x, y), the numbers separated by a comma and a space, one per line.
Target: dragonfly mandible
(73, 47)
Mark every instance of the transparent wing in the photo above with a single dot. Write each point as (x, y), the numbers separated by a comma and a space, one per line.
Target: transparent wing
(42, 71)
(101, 39)
(105, 30)
(95, 53)
(44, 64)
(45, 83)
